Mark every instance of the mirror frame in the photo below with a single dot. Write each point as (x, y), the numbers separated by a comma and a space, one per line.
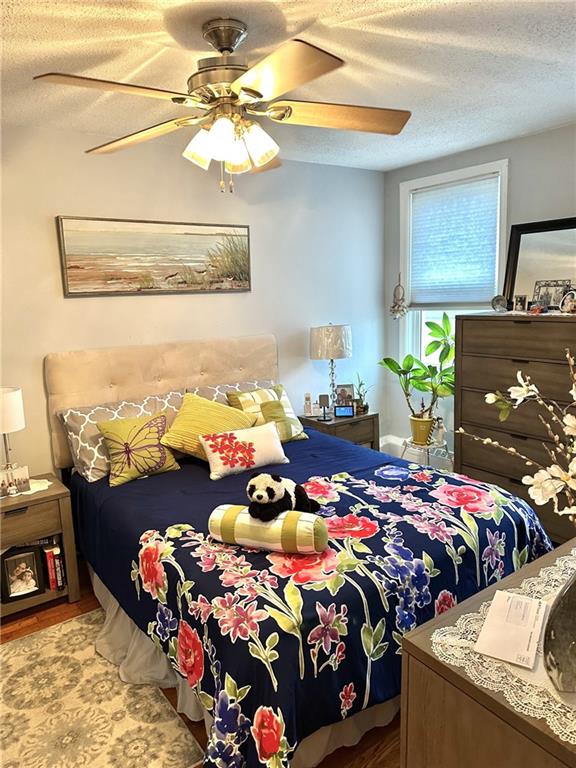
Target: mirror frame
(516, 232)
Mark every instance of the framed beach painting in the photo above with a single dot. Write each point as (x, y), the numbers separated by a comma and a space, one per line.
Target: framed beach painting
(115, 257)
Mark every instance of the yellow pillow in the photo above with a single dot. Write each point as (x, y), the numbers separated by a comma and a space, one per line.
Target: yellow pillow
(199, 416)
(134, 447)
(267, 405)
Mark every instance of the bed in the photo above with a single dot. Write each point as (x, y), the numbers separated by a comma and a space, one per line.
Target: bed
(285, 657)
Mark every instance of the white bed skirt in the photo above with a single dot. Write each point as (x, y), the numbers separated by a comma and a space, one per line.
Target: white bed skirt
(139, 661)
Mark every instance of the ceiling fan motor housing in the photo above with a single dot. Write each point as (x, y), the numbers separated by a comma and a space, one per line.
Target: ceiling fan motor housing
(215, 75)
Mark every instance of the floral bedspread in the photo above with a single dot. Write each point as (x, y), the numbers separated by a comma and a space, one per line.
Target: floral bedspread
(277, 646)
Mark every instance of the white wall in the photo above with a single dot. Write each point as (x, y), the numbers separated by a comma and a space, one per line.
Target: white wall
(316, 246)
(541, 185)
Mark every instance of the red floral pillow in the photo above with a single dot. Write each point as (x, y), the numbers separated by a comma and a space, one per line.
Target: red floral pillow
(230, 453)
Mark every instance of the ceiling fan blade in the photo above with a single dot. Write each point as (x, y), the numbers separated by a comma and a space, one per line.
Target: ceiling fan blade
(343, 117)
(110, 85)
(293, 64)
(270, 166)
(145, 135)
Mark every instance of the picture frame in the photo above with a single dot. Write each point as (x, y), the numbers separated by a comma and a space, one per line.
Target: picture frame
(551, 292)
(22, 574)
(344, 394)
(13, 481)
(520, 303)
(132, 257)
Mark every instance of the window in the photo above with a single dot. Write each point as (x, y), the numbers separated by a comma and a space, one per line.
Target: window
(452, 243)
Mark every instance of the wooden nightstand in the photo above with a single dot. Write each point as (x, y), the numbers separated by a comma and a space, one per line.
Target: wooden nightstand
(35, 516)
(362, 430)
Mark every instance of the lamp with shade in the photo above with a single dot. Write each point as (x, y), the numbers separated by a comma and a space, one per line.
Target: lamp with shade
(11, 417)
(331, 342)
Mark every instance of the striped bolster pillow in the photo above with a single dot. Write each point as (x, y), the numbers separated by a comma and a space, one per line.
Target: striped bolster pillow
(292, 531)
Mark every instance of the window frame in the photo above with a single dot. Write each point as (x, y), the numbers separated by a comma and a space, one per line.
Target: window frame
(472, 173)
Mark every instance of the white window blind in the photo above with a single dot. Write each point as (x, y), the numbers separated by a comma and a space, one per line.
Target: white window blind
(453, 242)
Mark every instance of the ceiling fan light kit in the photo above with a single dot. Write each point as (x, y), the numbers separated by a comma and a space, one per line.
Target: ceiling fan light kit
(226, 95)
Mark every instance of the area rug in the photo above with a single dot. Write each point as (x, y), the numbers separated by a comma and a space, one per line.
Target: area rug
(64, 706)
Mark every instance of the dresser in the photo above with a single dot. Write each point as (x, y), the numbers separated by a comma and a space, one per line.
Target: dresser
(490, 349)
(450, 721)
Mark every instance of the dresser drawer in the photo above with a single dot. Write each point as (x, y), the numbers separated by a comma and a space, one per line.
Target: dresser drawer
(30, 522)
(558, 528)
(356, 432)
(523, 420)
(492, 373)
(522, 338)
(491, 459)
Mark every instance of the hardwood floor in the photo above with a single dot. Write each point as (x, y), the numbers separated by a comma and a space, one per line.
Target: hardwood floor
(380, 748)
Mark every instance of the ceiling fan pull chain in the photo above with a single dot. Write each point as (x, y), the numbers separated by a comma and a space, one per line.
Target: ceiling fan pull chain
(230, 184)
(222, 182)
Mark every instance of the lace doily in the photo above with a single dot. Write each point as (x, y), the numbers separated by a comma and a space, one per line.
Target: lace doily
(527, 691)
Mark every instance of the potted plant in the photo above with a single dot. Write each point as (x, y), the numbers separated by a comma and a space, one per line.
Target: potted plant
(434, 380)
(361, 392)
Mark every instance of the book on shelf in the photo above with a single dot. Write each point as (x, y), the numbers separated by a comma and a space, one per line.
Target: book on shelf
(55, 567)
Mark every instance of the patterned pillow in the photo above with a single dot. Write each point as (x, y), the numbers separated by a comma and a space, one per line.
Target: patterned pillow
(87, 444)
(252, 402)
(199, 416)
(230, 453)
(218, 392)
(134, 448)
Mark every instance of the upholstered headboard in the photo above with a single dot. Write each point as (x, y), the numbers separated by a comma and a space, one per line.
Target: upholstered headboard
(92, 376)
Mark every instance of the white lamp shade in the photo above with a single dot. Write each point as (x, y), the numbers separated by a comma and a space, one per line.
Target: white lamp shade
(198, 150)
(11, 410)
(238, 161)
(261, 146)
(330, 342)
(222, 138)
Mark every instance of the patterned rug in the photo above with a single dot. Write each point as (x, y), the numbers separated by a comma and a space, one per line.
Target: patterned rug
(64, 706)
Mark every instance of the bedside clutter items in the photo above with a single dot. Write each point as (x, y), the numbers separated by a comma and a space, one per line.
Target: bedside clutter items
(13, 479)
(294, 532)
(331, 342)
(490, 351)
(541, 262)
(22, 574)
(419, 380)
(230, 453)
(134, 448)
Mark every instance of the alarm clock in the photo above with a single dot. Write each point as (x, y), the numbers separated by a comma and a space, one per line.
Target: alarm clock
(343, 410)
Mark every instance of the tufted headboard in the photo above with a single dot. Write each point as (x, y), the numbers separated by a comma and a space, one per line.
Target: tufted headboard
(93, 376)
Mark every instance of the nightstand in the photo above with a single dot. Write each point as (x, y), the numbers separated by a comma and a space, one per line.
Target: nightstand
(35, 516)
(362, 430)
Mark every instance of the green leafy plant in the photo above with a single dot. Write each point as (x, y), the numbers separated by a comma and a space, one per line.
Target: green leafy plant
(435, 380)
(361, 390)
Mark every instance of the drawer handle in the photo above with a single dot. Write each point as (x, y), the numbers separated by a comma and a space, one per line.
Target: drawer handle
(518, 360)
(525, 322)
(14, 512)
(514, 480)
(518, 437)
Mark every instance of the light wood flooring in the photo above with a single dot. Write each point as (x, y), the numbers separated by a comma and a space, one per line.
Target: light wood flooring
(380, 748)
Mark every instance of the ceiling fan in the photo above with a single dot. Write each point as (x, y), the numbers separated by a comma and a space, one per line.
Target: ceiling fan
(225, 94)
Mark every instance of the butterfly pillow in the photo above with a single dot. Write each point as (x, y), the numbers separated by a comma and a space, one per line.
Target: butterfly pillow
(134, 447)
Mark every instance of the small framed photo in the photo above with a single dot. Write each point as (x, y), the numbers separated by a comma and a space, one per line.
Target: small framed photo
(520, 303)
(14, 481)
(22, 574)
(550, 292)
(344, 394)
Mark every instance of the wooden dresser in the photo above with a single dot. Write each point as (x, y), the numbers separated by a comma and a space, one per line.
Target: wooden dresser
(490, 349)
(449, 721)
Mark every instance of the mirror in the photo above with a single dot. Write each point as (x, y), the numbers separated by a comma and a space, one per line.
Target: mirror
(541, 262)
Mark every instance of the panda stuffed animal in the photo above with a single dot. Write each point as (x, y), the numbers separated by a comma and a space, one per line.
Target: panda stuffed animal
(271, 494)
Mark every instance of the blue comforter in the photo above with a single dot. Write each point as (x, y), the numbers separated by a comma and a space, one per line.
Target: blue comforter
(277, 646)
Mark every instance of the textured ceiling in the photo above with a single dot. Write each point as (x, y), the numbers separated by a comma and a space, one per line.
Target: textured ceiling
(472, 72)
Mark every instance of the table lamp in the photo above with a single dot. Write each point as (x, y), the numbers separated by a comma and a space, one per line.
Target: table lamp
(11, 417)
(331, 342)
